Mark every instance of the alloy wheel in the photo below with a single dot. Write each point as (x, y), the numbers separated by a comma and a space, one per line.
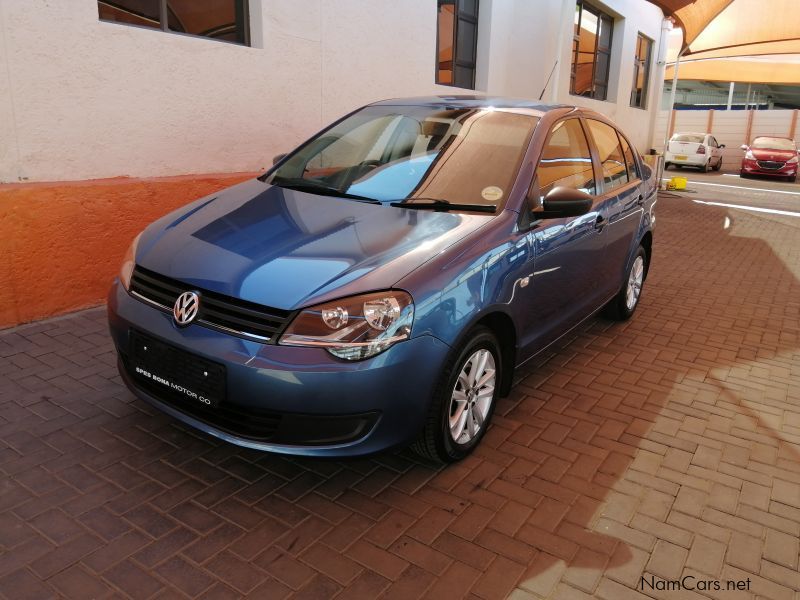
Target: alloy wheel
(635, 280)
(472, 396)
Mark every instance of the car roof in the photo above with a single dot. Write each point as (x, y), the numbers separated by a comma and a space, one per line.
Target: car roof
(772, 137)
(689, 133)
(535, 107)
(471, 101)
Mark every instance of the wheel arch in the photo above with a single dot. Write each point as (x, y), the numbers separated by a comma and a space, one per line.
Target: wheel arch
(502, 326)
(647, 243)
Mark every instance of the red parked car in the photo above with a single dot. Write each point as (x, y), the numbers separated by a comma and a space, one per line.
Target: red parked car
(773, 156)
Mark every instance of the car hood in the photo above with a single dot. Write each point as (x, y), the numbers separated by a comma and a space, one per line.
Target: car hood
(778, 155)
(288, 249)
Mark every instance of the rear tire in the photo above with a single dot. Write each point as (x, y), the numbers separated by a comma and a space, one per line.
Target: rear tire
(462, 406)
(624, 304)
(667, 166)
(707, 167)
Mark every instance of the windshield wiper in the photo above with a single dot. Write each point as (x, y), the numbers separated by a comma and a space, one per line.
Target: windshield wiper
(444, 205)
(304, 185)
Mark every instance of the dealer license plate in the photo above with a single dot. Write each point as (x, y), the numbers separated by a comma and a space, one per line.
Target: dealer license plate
(681, 157)
(168, 369)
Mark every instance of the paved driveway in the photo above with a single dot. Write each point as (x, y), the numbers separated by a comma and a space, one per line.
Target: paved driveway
(662, 447)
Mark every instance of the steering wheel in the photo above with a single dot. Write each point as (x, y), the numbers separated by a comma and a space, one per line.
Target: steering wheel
(372, 162)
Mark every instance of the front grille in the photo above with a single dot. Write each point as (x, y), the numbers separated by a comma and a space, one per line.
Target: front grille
(217, 311)
(770, 164)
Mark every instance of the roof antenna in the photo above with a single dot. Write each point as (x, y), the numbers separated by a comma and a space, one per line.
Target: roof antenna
(546, 83)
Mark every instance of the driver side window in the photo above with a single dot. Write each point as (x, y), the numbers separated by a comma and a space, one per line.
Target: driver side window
(566, 161)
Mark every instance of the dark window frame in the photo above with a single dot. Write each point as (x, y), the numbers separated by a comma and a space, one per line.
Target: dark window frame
(458, 15)
(599, 164)
(640, 65)
(636, 176)
(527, 217)
(241, 23)
(604, 51)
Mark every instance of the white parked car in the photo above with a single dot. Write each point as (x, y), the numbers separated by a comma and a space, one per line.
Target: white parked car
(699, 150)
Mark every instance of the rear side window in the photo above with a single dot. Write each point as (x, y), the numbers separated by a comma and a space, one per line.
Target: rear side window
(566, 160)
(630, 161)
(612, 159)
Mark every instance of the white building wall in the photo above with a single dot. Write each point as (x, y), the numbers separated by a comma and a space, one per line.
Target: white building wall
(81, 98)
(633, 17)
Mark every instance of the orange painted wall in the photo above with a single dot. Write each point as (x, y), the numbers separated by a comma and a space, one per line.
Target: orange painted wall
(61, 243)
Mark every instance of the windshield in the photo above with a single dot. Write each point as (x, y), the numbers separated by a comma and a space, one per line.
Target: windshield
(394, 153)
(771, 143)
(695, 138)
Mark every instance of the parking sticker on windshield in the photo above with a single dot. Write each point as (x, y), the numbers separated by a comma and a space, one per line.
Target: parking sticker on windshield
(492, 193)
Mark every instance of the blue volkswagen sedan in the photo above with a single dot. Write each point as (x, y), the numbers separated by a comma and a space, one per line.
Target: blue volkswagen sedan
(379, 285)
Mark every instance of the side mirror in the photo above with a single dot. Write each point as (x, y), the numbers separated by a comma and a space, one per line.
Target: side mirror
(744, 147)
(278, 158)
(565, 202)
(722, 145)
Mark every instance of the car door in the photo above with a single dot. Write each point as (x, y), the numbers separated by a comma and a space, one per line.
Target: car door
(563, 279)
(624, 198)
(716, 150)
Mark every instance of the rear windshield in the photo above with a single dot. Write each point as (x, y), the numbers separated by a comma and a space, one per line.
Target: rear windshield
(771, 143)
(688, 137)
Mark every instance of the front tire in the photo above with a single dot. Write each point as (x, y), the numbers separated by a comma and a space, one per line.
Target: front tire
(624, 304)
(718, 166)
(464, 399)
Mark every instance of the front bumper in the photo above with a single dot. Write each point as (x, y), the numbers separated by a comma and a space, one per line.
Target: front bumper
(304, 396)
(751, 167)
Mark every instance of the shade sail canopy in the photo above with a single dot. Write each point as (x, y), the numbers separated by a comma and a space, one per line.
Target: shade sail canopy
(762, 49)
(773, 70)
(720, 25)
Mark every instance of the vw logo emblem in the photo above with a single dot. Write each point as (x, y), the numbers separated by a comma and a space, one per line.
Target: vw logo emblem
(186, 307)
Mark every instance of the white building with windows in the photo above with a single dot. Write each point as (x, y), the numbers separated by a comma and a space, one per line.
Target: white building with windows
(140, 88)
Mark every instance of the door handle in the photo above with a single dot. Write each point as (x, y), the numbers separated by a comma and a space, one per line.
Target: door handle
(640, 200)
(600, 222)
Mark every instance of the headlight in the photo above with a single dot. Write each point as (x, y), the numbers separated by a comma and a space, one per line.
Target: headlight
(354, 328)
(749, 155)
(126, 270)
(792, 161)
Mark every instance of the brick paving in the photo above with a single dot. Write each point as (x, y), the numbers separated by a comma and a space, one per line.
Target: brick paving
(665, 446)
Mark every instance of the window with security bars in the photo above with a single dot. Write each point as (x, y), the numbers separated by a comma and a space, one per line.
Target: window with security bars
(641, 71)
(457, 43)
(591, 52)
(224, 20)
